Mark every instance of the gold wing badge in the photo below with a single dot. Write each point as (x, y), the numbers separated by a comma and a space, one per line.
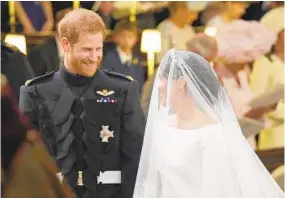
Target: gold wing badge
(105, 92)
(106, 99)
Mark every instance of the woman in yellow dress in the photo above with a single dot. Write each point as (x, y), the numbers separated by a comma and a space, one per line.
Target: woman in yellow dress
(268, 71)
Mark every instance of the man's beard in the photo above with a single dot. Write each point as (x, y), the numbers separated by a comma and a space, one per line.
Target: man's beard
(78, 63)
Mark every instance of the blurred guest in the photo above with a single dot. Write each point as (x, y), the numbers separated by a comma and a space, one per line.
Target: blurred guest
(213, 14)
(27, 170)
(268, 72)
(48, 57)
(35, 16)
(145, 12)
(146, 19)
(15, 66)
(257, 9)
(176, 31)
(240, 43)
(204, 45)
(61, 5)
(123, 59)
(104, 9)
(161, 15)
(219, 13)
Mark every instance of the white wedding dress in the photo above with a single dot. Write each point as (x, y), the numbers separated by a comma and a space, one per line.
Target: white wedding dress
(208, 160)
(181, 157)
(186, 166)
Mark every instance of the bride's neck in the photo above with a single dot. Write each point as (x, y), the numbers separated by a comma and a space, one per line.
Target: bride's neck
(189, 118)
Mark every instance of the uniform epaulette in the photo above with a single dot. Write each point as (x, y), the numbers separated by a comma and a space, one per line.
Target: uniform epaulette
(109, 72)
(38, 79)
(11, 48)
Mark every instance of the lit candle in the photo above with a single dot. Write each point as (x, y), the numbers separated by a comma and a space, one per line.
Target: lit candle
(151, 44)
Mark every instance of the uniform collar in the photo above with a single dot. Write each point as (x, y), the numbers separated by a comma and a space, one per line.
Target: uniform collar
(75, 79)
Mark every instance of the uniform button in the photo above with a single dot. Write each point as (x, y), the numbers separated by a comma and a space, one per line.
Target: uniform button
(41, 110)
(55, 97)
(47, 132)
(40, 107)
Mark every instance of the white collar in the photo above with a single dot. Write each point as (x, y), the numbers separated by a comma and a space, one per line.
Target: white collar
(123, 56)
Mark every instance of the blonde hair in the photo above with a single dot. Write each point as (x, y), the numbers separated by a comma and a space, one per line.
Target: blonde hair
(80, 21)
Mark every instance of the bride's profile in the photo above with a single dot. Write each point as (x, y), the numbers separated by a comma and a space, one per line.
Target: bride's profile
(193, 145)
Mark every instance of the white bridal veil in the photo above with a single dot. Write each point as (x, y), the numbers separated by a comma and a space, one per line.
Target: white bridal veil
(185, 82)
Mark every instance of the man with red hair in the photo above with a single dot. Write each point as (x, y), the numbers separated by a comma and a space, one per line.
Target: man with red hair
(90, 119)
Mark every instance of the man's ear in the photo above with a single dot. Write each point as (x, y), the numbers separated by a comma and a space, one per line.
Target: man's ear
(65, 44)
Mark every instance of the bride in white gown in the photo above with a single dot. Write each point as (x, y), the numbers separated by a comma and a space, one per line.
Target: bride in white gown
(193, 146)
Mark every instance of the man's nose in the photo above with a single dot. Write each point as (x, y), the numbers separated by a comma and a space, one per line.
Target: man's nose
(93, 57)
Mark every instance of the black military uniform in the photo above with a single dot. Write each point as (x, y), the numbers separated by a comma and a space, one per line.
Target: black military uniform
(92, 126)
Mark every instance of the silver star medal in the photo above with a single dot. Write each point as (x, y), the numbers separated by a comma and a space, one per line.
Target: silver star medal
(105, 134)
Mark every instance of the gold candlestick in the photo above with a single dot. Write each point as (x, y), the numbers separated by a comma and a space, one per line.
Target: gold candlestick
(12, 14)
(133, 11)
(76, 4)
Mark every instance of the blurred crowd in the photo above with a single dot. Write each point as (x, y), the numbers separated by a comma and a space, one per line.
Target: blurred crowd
(243, 41)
